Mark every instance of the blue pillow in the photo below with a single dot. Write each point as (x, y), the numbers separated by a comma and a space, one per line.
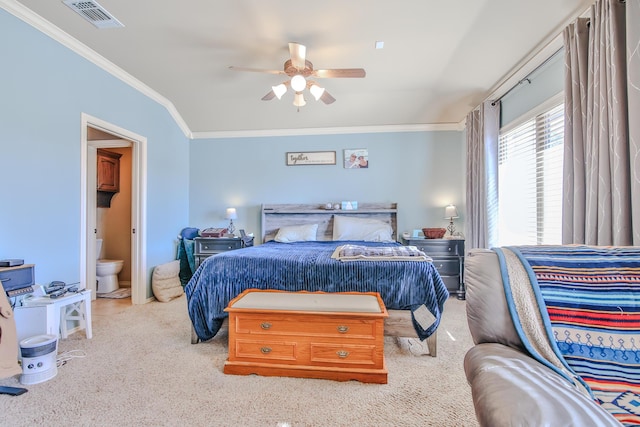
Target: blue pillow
(189, 233)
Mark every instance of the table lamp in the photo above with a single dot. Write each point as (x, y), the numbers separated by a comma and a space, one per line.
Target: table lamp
(450, 212)
(231, 215)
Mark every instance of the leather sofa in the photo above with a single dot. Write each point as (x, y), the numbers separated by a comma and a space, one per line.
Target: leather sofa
(508, 386)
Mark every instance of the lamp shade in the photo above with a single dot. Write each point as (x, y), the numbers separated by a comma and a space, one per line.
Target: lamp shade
(316, 91)
(231, 213)
(279, 90)
(450, 211)
(298, 100)
(298, 83)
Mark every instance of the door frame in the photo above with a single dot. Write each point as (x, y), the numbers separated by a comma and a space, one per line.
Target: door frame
(88, 171)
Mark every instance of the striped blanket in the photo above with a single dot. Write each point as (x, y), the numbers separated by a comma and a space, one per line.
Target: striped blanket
(588, 300)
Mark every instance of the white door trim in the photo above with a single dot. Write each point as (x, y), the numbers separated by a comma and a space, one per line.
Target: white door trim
(138, 206)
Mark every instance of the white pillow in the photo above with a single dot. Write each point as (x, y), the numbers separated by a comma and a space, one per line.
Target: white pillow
(297, 233)
(165, 281)
(372, 230)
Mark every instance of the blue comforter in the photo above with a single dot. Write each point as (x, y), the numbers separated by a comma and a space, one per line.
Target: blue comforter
(403, 285)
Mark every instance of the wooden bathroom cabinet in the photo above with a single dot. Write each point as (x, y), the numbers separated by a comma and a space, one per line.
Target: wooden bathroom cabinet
(108, 171)
(108, 177)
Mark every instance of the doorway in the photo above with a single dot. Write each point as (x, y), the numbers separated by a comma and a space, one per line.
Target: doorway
(112, 137)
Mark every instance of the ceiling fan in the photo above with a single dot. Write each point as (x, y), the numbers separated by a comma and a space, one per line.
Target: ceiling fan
(300, 71)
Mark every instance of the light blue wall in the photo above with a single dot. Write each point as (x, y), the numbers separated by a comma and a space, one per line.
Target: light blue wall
(44, 88)
(421, 171)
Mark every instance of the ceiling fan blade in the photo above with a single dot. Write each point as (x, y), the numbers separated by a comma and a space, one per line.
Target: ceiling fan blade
(298, 52)
(256, 70)
(340, 73)
(269, 96)
(327, 98)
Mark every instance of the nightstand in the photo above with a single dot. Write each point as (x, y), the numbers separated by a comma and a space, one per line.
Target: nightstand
(448, 258)
(204, 247)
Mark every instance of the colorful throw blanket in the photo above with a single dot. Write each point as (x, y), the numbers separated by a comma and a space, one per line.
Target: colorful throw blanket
(587, 302)
(378, 253)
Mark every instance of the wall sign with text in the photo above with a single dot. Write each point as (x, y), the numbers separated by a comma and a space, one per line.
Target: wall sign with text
(311, 158)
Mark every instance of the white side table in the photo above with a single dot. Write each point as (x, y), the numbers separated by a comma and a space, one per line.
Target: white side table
(43, 315)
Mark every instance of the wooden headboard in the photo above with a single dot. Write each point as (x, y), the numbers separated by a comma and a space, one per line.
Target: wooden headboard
(275, 216)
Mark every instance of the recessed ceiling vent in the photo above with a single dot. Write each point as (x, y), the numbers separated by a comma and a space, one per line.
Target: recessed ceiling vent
(94, 13)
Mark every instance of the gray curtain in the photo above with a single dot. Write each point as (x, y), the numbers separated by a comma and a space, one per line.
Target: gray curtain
(482, 129)
(633, 91)
(597, 202)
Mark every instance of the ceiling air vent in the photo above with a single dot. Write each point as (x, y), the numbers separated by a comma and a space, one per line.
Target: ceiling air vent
(94, 13)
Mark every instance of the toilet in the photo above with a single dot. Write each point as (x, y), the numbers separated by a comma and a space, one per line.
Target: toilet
(106, 271)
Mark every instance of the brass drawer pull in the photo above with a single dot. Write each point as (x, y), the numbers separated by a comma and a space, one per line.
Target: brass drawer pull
(265, 350)
(265, 325)
(342, 329)
(342, 354)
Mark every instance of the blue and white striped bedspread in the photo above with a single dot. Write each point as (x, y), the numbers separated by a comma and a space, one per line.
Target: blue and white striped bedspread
(308, 266)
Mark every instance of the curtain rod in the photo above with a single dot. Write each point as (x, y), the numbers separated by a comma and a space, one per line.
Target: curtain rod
(526, 78)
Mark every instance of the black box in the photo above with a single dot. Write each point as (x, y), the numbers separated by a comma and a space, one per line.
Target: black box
(11, 262)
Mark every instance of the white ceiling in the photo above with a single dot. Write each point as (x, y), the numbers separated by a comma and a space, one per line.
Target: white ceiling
(440, 58)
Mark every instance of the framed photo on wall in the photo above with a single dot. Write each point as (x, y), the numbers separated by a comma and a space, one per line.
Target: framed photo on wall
(356, 158)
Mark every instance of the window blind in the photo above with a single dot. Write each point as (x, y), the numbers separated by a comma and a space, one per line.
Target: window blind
(530, 160)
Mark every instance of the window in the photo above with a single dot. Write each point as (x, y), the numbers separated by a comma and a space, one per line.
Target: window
(530, 180)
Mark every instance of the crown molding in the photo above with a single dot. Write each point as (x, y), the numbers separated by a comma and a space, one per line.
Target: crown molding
(329, 131)
(36, 21)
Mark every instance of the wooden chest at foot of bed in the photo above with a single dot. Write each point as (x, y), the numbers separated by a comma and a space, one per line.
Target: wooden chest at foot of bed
(335, 336)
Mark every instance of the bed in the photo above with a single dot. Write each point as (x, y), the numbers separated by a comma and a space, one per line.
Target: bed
(298, 253)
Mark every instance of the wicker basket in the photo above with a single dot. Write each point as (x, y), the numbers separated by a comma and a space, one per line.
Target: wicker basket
(434, 233)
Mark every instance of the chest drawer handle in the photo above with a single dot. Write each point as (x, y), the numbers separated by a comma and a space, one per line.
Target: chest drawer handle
(265, 350)
(342, 329)
(342, 354)
(265, 325)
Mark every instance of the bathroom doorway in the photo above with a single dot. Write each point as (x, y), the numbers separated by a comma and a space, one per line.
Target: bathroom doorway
(113, 214)
(121, 226)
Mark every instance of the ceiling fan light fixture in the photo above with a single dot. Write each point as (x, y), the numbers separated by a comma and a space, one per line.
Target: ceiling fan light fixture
(298, 100)
(279, 90)
(316, 91)
(300, 73)
(298, 83)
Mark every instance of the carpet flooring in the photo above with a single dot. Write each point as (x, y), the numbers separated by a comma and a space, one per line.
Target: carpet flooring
(140, 369)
